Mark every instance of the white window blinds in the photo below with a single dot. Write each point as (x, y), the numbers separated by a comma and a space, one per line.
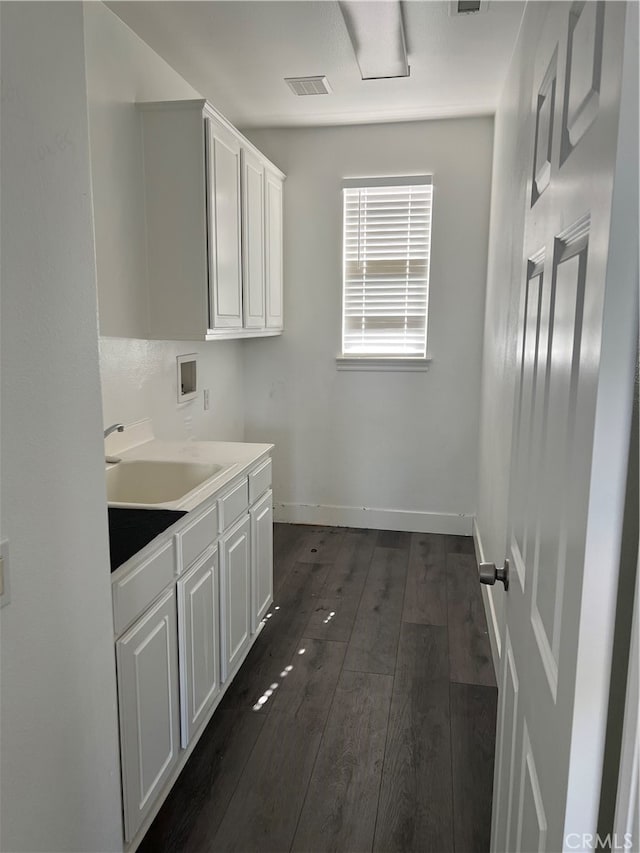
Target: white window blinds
(387, 240)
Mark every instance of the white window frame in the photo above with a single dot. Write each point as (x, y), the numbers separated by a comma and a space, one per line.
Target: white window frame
(384, 362)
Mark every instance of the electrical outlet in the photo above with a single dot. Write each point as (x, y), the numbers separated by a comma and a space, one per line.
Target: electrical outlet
(206, 399)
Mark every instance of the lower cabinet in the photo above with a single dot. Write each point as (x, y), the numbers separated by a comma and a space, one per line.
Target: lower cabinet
(261, 558)
(181, 652)
(235, 587)
(147, 657)
(198, 632)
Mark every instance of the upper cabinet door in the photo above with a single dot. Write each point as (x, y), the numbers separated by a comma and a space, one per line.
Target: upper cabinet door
(274, 251)
(253, 240)
(223, 209)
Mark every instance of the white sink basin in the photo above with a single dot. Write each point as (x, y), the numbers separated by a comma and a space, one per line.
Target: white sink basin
(150, 482)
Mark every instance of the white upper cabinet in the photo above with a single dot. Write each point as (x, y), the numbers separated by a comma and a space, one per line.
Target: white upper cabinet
(224, 227)
(253, 240)
(274, 292)
(213, 206)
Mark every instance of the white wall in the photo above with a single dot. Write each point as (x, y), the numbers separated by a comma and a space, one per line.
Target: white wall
(139, 376)
(139, 380)
(405, 442)
(59, 768)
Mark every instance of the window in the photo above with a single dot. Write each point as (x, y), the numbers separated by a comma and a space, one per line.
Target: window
(387, 240)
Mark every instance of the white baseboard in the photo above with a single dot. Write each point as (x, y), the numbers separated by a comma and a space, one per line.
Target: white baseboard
(495, 637)
(375, 519)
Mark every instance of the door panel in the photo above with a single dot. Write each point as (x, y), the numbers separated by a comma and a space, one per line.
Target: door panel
(532, 823)
(545, 110)
(148, 692)
(507, 747)
(253, 241)
(567, 158)
(223, 211)
(584, 67)
(274, 251)
(262, 558)
(199, 628)
(235, 589)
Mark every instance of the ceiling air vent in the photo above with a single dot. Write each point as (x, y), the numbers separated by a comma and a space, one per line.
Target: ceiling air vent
(467, 7)
(308, 85)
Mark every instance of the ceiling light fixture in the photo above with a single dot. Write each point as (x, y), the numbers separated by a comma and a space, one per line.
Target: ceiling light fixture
(376, 30)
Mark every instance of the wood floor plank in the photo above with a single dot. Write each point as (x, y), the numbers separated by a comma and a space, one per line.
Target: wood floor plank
(459, 544)
(306, 691)
(287, 542)
(322, 545)
(340, 809)
(277, 643)
(415, 811)
(394, 539)
(422, 656)
(425, 601)
(349, 572)
(469, 649)
(332, 619)
(264, 810)
(374, 639)
(192, 812)
(473, 727)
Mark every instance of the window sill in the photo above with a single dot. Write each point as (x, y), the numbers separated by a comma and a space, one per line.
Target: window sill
(383, 364)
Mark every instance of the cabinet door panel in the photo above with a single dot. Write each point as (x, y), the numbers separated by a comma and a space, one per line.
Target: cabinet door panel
(198, 625)
(274, 251)
(253, 241)
(147, 658)
(236, 589)
(262, 558)
(225, 267)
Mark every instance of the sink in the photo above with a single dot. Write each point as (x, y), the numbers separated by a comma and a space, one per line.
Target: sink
(150, 482)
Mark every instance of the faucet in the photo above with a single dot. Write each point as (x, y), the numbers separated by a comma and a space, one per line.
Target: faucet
(111, 460)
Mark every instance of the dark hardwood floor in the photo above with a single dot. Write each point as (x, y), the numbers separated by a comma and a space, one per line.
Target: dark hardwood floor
(378, 733)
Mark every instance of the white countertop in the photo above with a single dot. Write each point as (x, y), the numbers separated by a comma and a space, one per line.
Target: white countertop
(137, 443)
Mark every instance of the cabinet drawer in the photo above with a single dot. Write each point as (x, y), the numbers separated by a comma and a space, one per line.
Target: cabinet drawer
(233, 504)
(259, 481)
(136, 591)
(198, 536)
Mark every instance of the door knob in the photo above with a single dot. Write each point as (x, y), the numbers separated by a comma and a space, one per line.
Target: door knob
(490, 573)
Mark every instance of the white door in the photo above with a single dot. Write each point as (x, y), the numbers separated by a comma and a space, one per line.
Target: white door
(274, 250)
(261, 558)
(627, 817)
(223, 221)
(565, 472)
(235, 590)
(253, 240)
(199, 643)
(147, 657)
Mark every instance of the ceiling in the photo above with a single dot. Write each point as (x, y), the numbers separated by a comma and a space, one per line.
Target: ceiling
(236, 54)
